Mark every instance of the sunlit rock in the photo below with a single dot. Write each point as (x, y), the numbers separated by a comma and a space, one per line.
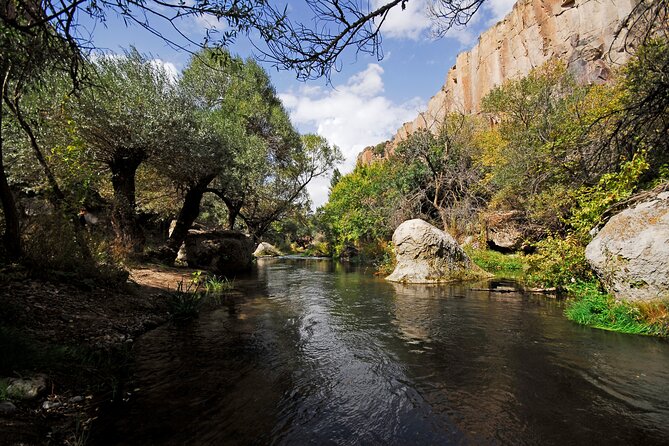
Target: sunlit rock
(426, 254)
(265, 249)
(631, 252)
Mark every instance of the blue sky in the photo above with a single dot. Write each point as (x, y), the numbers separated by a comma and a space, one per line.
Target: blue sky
(366, 102)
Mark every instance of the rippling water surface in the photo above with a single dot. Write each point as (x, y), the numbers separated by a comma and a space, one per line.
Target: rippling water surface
(321, 354)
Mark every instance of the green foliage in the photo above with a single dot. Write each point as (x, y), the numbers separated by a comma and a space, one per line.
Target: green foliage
(590, 306)
(644, 111)
(362, 206)
(592, 202)
(558, 263)
(4, 383)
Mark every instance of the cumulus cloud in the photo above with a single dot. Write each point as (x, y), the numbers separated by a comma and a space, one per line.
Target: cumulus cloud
(170, 68)
(353, 115)
(410, 23)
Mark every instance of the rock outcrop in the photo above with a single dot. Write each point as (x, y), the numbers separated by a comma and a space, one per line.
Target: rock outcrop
(426, 254)
(580, 32)
(265, 249)
(631, 252)
(221, 252)
(503, 231)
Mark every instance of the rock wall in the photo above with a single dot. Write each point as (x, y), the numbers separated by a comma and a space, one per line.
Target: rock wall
(580, 32)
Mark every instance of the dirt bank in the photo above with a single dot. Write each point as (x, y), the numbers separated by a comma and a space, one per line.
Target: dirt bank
(80, 338)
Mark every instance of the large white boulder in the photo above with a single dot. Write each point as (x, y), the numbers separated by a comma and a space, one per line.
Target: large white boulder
(426, 254)
(265, 249)
(631, 252)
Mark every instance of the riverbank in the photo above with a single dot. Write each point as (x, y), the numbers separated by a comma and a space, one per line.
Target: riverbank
(587, 304)
(79, 340)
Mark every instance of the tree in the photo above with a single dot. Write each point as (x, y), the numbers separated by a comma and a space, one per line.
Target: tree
(446, 171)
(134, 114)
(283, 184)
(25, 58)
(241, 124)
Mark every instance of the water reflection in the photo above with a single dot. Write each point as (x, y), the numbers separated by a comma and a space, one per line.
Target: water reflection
(319, 353)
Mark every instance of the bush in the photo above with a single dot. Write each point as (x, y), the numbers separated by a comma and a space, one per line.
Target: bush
(558, 263)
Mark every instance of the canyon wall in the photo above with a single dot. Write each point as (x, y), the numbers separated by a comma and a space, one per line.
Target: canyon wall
(580, 32)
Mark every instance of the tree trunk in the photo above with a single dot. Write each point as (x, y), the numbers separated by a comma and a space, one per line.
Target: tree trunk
(190, 210)
(124, 220)
(233, 212)
(12, 236)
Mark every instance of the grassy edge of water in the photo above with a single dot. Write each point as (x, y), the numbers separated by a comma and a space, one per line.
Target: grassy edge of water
(587, 304)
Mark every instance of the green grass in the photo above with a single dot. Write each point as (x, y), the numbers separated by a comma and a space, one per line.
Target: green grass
(503, 266)
(218, 285)
(590, 306)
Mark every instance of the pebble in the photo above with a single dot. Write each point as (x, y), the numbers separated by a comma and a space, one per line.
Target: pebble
(50, 405)
(76, 399)
(7, 408)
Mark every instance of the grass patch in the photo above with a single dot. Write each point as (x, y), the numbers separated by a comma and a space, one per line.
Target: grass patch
(590, 306)
(503, 266)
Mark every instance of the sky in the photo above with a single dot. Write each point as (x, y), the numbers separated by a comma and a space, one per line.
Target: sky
(363, 104)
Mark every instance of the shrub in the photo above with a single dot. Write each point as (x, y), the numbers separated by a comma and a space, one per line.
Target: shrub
(558, 263)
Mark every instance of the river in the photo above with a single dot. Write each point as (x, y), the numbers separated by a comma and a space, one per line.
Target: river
(318, 353)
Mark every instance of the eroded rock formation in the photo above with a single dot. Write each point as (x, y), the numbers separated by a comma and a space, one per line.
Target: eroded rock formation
(580, 32)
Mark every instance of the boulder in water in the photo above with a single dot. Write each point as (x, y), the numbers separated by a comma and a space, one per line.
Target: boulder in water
(631, 252)
(426, 254)
(221, 252)
(265, 249)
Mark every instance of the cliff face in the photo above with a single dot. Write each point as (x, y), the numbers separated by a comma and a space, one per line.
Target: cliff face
(580, 32)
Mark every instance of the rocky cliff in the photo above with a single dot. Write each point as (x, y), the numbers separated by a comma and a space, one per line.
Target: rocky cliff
(580, 32)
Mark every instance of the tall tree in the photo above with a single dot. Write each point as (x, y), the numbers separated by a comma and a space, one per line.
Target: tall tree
(133, 115)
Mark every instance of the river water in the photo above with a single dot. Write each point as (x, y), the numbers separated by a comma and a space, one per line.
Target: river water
(317, 353)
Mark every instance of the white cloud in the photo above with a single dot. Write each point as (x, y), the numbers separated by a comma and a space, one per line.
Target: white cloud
(170, 68)
(352, 116)
(410, 23)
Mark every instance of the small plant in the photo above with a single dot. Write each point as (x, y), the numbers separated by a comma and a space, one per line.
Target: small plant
(217, 285)
(184, 304)
(558, 262)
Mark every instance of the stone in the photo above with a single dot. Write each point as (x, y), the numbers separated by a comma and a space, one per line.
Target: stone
(265, 249)
(221, 252)
(26, 389)
(503, 231)
(7, 408)
(630, 254)
(426, 254)
(76, 399)
(46, 405)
